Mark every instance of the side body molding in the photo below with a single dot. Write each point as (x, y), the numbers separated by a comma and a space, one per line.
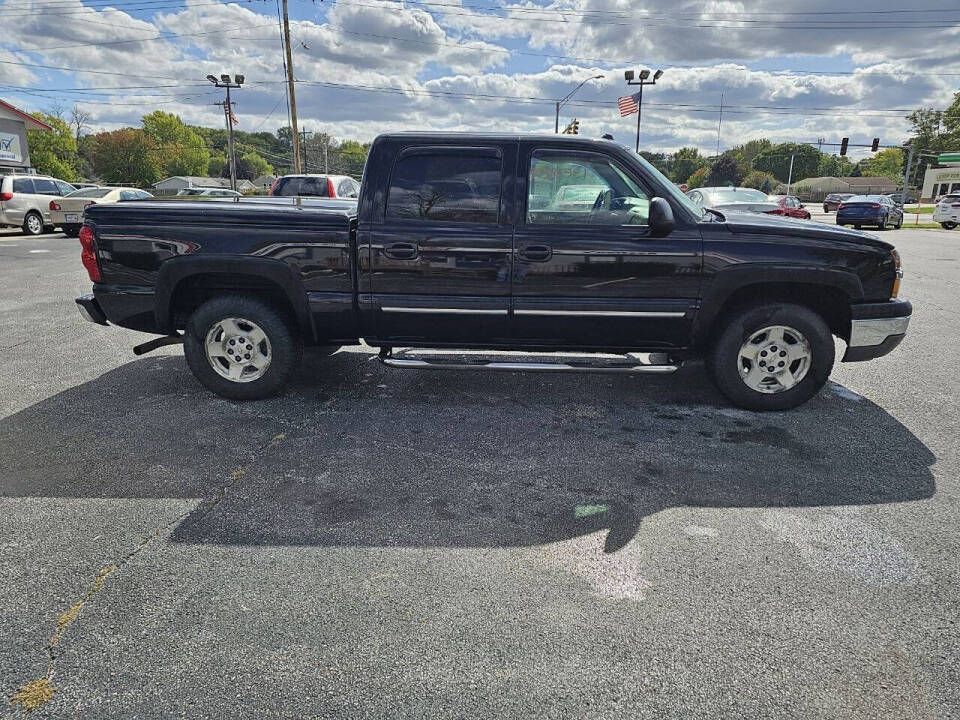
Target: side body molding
(174, 271)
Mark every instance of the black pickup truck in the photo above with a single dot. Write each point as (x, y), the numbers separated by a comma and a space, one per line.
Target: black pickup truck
(509, 249)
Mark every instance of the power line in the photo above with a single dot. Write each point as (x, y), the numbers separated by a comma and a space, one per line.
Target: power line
(138, 40)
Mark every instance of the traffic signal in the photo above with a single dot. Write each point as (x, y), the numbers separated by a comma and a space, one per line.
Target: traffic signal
(876, 145)
(843, 145)
(572, 128)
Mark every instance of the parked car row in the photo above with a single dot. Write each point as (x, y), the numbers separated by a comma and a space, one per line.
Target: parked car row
(67, 213)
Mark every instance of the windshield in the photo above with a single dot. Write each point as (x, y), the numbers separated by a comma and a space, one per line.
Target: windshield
(670, 188)
(90, 193)
(720, 196)
(865, 199)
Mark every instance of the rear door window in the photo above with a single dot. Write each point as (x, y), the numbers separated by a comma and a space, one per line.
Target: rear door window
(45, 187)
(23, 185)
(462, 186)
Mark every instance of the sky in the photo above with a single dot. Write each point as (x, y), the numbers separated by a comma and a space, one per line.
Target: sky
(794, 72)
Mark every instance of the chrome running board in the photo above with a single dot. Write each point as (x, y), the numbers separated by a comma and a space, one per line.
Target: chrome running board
(423, 359)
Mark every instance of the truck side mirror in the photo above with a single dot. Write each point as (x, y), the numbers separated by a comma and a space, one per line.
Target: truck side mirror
(661, 217)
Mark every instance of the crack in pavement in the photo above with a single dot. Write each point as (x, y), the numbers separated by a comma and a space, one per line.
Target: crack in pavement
(37, 693)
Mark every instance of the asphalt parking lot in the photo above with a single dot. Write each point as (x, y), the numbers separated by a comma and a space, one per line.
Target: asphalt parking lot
(385, 543)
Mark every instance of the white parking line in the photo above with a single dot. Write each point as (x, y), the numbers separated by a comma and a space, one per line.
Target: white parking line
(39, 251)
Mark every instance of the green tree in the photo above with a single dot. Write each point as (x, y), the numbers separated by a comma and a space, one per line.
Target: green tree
(54, 153)
(180, 150)
(698, 178)
(724, 171)
(250, 166)
(217, 167)
(351, 157)
(126, 157)
(661, 161)
(776, 161)
(834, 166)
(760, 180)
(686, 161)
(886, 163)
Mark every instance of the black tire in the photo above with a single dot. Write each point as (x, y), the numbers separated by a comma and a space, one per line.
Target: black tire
(33, 224)
(883, 225)
(856, 227)
(71, 230)
(826, 209)
(286, 346)
(948, 225)
(723, 357)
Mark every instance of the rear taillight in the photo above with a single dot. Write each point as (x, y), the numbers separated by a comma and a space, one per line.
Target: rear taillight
(875, 206)
(330, 191)
(955, 205)
(898, 270)
(6, 196)
(54, 205)
(273, 187)
(88, 253)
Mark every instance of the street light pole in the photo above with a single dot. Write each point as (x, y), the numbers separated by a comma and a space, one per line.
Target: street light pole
(560, 103)
(225, 81)
(628, 75)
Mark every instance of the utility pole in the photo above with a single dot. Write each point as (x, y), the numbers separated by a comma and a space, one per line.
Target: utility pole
(644, 74)
(294, 134)
(303, 149)
(719, 123)
(906, 175)
(326, 147)
(790, 174)
(226, 82)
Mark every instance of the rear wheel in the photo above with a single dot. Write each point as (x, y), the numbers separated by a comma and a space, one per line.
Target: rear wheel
(71, 230)
(32, 224)
(883, 223)
(948, 225)
(773, 356)
(241, 348)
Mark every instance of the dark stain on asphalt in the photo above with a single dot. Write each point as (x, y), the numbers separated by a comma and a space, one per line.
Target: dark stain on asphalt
(441, 510)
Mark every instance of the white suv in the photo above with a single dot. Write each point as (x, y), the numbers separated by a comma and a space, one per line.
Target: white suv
(25, 201)
(947, 211)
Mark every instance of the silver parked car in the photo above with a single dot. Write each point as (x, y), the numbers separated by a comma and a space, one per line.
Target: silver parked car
(734, 199)
(25, 201)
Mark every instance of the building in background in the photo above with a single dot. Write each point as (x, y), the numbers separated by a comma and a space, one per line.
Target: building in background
(14, 152)
(264, 183)
(173, 185)
(942, 180)
(815, 189)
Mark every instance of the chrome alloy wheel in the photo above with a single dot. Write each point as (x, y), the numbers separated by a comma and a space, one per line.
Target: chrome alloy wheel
(238, 350)
(774, 359)
(34, 224)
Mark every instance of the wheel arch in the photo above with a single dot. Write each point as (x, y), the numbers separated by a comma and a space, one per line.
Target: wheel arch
(827, 291)
(184, 283)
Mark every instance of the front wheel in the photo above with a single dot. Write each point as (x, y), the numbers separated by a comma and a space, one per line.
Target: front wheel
(241, 348)
(948, 225)
(773, 356)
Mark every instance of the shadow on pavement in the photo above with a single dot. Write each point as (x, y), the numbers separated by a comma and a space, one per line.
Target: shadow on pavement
(355, 454)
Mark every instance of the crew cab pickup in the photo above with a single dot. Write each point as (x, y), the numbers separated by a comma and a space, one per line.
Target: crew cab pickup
(497, 252)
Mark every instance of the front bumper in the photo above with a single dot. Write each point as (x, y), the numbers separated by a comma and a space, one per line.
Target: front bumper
(90, 310)
(876, 329)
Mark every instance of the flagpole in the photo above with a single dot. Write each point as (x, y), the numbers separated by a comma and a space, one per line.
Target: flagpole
(639, 111)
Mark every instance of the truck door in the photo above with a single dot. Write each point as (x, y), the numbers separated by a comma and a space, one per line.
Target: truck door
(587, 271)
(439, 257)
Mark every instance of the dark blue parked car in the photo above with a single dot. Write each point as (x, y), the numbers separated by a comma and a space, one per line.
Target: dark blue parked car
(877, 210)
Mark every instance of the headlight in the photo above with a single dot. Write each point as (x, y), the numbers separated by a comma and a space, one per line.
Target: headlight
(899, 273)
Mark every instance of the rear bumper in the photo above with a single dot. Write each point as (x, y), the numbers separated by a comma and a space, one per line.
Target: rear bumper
(876, 329)
(129, 306)
(90, 309)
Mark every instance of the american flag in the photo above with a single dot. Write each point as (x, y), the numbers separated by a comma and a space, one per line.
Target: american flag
(233, 118)
(628, 105)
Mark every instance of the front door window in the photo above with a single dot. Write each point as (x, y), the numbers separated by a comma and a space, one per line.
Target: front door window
(582, 189)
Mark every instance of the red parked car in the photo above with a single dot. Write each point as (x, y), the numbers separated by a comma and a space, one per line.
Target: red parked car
(789, 206)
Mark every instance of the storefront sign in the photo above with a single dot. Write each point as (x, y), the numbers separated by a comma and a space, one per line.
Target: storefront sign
(10, 147)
